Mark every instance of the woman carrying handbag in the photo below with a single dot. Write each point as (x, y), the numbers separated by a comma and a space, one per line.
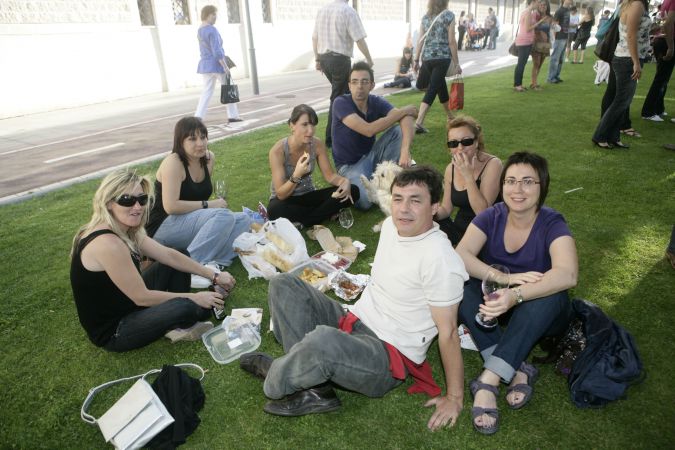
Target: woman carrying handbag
(213, 64)
(437, 49)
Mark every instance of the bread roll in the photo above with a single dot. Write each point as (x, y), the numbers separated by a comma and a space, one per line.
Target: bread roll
(279, 242)
(276, 260)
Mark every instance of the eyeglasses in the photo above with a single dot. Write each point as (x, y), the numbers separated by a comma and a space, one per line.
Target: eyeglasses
(128, 201)
(465, 142)
(360, 82)
(525, 182)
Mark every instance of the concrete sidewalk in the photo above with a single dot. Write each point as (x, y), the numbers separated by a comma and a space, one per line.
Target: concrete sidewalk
(47, 151)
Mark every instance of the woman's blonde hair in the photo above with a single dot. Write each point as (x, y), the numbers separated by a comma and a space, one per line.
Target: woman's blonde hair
(473, 125)
(112, 187)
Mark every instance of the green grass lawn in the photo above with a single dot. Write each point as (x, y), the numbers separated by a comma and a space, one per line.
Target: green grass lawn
(621, 221)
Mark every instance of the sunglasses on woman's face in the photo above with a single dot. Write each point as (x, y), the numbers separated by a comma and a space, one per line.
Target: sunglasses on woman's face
(128, 201)
(465, 142)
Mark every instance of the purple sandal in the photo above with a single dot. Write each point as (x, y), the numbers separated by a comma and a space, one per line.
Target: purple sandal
(526, 389)
(475, 386)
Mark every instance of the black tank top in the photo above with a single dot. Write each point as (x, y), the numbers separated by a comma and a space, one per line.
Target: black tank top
(100, 303)
(189, 190)
(460, 199)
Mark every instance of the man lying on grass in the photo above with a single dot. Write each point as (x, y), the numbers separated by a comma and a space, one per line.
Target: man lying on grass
(417, 284)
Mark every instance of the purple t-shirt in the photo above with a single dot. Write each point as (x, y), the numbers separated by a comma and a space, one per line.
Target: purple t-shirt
(534, 255)
(348, 145)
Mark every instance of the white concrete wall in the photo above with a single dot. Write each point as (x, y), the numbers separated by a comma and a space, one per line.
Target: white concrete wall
(68, 53)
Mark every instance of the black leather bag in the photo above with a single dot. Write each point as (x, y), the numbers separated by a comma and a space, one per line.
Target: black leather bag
(229, 93)
(605, 48)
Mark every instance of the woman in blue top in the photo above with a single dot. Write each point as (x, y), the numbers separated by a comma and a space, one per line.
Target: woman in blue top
(535, 244)
(436, 48)
(212, 64)
(292, 162)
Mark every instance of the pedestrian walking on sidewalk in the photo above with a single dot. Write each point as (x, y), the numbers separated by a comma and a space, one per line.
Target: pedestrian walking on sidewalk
(336, 29)
(437, 49)
(212, 63)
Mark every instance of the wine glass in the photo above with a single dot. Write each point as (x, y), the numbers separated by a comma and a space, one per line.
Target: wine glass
(220, 189)
(493, 281)
(346, 218)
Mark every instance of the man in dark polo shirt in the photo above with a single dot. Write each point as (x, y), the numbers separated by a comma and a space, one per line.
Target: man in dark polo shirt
(357, 119)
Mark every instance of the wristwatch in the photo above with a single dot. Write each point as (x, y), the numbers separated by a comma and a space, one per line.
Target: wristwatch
(519, 296)
(215, 278)
(205, 204)
(294, 180)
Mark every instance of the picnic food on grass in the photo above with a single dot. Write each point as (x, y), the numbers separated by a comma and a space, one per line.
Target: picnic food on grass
(277, 260)
(311, 276)
(279, 242)
(349, 287)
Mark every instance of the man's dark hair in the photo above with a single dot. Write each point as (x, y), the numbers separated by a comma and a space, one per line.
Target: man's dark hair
(425, 175)
(362, 65)
(538, 163)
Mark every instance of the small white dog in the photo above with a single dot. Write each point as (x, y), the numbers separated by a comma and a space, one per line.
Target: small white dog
(378, 188)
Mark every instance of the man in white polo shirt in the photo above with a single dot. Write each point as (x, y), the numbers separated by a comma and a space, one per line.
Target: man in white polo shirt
(416, 285)
(336, 29)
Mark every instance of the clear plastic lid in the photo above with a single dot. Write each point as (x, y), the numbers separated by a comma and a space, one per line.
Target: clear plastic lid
(230, 340)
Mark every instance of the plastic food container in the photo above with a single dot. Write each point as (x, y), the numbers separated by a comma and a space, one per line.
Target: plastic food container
(337, 261)
(230, 340)
(307, 272)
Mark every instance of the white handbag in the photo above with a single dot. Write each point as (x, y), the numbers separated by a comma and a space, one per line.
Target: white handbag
(138, 416)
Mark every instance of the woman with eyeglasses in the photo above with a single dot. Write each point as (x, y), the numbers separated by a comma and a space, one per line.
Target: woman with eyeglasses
(471, 180)
(120, 308)
(184, 216)
(535, 244)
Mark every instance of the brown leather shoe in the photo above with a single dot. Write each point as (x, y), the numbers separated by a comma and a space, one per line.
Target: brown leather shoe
(311, 401)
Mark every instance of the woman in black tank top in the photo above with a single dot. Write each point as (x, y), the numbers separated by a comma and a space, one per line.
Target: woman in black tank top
(183, 216)
(471, 181)
(120, 308)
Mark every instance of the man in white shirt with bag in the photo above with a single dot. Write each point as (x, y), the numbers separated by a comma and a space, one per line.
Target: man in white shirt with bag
(370, 347)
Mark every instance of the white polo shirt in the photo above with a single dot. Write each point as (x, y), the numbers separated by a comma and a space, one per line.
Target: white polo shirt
(409, 275)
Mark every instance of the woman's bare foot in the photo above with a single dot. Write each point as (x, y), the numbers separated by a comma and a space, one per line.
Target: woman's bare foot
(515, 397)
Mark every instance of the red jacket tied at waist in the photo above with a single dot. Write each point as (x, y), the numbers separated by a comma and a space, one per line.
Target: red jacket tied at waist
(398, 363)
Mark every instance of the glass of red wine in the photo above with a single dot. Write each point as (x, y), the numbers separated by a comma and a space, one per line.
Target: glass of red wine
(496, 278)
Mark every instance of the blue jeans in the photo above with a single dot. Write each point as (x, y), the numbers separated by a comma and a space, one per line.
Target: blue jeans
(557, 58)
(386, 148)
(523, 54)
(305, 323)
(145, 326)
(207, 234)
(612, 119)
(504, 349)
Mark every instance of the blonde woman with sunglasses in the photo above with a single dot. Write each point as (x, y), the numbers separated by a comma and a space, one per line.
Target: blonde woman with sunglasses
(120, 308)
(471, 180)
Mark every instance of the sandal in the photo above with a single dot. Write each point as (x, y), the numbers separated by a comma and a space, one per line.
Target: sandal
(476, 411)
(605, 145)
(535, 87)
(519, 89)
(631, 132)
(526, 389)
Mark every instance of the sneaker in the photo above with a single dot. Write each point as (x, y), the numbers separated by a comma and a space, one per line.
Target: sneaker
(194, 333)
(672, 120)
(199, 282)
(654, 118)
